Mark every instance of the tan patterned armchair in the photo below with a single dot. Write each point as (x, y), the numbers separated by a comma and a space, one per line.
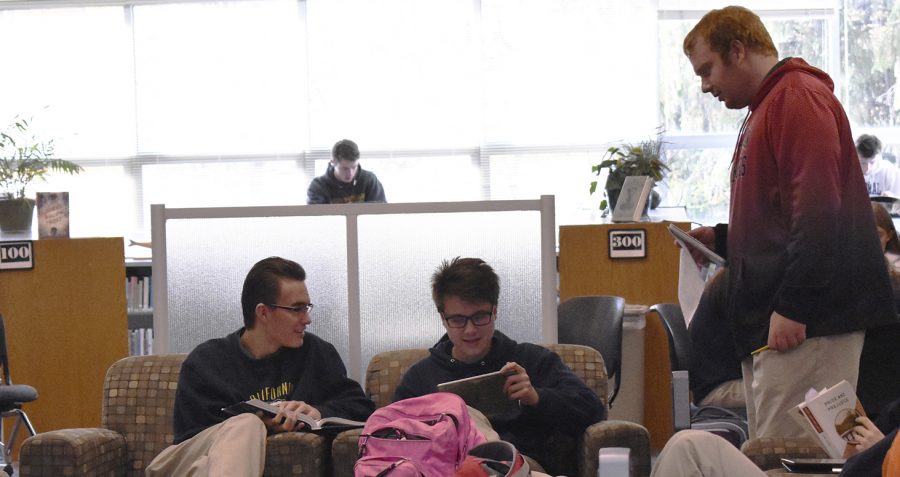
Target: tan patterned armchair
(138, 401)
(385, 370)
(766, 452)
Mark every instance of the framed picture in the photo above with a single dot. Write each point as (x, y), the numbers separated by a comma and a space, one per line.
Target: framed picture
(628, 243)
(632, 199)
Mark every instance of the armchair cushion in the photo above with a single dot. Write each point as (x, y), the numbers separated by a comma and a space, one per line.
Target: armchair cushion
(294, 454)
(73, 452)
(138, 402)
(766, 452)
(615, 433)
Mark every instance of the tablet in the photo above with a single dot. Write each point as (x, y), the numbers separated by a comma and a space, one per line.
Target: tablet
(483, 392)
(690, 243)
(813, 466)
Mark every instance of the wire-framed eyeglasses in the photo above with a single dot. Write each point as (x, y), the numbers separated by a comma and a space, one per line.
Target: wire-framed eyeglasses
(294, 309)
(478, 319)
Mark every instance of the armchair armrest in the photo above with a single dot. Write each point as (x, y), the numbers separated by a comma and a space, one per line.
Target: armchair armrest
(766, 452)
(616, 434)
(345, 451)
(85, 451)
(295, 453)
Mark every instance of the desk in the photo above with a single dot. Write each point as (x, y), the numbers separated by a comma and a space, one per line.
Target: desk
(65, 325)
(585, 268)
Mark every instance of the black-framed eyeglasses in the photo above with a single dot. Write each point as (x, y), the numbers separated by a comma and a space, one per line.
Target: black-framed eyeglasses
(294, 309)
(459, 321)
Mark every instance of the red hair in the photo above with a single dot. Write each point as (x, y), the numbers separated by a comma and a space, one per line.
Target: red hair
(722, 27)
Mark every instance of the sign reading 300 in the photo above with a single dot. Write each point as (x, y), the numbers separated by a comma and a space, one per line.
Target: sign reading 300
(630, 243)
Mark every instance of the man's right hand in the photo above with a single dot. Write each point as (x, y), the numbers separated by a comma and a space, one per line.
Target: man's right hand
(705, 235)
(865, 435)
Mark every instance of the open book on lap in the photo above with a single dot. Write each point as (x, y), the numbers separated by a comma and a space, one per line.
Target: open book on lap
(483, 392)
(270, 410)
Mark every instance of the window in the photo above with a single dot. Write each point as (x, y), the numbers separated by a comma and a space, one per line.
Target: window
(873, 48)
(70, 68)
(238, 103)
(220, 78)
(701, 131)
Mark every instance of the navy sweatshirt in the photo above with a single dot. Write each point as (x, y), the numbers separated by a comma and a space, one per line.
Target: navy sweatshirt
(567, 406)
(220, 372)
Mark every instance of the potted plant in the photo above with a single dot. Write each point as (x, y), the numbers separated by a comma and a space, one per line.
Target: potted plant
(24, 158)
(631, 159)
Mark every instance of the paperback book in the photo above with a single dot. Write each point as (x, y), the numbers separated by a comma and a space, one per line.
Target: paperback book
(632, 199)
(830, 416)
(53, 214)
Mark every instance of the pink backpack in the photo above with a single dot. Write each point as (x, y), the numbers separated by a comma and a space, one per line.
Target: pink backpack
(427, 436)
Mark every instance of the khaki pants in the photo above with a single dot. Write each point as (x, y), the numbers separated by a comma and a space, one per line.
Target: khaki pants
(776, 382)
(703, 454)
(233, 448)
(484, 426)
(729, 394)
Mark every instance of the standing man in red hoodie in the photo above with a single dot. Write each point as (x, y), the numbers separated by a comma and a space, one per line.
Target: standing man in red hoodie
(800, 238)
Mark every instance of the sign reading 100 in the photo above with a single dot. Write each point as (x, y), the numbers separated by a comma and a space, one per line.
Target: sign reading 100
(16, 255)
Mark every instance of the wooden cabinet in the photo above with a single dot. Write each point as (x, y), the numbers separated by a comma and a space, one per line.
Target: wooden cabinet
(66, 324)
(585, 268)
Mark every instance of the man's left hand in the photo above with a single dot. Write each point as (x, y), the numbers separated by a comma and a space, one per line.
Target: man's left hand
(785, 334)
(286, 421)
(518, 384)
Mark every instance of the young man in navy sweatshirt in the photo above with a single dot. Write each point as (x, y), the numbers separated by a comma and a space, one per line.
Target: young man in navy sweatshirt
(272, 358)
(555, 403)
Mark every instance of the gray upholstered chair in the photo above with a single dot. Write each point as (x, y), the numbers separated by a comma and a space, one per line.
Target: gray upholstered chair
(596, 321)
(12, 397)
(385, 370)
(138, 401)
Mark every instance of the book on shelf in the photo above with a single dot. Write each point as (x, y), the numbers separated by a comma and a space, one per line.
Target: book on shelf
(830, 416)
(270, 410)
(632, 198)
(53, 214)
(138, 293)
(483, 392)
(140, 342)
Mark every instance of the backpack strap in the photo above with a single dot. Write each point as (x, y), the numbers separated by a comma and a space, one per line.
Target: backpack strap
(499, 458)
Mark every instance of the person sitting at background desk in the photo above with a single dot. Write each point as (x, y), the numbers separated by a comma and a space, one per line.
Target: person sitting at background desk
(715, 370)
(879, 363)
(882, 177)
(555, 402)
(345, 181)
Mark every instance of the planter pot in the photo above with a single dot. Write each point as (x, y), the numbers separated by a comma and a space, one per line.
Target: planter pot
(16, 215)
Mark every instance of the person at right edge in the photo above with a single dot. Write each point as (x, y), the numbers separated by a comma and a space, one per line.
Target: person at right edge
(801, 236)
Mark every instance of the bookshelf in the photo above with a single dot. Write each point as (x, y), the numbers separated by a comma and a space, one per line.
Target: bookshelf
(66, 324)
(138, 299)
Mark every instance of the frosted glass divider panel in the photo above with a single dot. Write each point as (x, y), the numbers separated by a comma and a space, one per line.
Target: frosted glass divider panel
(208, 259)
(244, 239)
(398, 254)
